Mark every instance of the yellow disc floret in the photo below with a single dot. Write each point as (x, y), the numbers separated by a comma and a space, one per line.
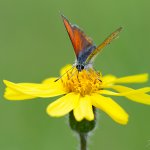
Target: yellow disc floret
(84, 82)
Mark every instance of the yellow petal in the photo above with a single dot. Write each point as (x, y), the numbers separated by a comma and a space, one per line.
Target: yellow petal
(136, 97)
(11, 94)
(107, 92)
(78, 113)
(35, 90)
(110, 107)
(84, 109)
(50, 80)
(133, 79)
(63, 105)
(109, 80)
(65, 69)
(125, 93)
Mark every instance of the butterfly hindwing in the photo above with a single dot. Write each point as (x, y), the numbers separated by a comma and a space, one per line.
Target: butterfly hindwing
(79, 40)
(107, 41)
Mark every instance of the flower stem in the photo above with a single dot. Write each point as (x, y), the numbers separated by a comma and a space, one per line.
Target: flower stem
(83, 141)
(82, 128)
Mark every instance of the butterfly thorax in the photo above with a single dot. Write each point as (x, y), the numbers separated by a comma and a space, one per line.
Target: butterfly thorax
(82, 57)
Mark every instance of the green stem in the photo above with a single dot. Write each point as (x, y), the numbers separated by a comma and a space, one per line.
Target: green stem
(82, 128)
(83, 141)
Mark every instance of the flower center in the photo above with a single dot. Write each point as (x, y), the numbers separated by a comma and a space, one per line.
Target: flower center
(84, 82)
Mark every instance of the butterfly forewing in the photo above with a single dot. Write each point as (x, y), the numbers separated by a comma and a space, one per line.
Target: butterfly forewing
(79, 40)
(110, 38)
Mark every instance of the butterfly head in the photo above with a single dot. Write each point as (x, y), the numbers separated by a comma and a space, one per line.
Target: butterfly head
(83, 66)
(80, 67)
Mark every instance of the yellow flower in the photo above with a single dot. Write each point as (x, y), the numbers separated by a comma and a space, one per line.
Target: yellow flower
(81, 91)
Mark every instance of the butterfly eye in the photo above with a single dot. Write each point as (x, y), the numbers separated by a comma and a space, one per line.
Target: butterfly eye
(77, 66)
(82, 67)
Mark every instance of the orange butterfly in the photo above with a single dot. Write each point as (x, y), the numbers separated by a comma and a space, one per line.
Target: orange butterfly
(84, 47)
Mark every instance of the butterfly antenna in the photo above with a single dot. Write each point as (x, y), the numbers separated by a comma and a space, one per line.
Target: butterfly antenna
(73, 74)
(97, 74)
(96, 71)
(64, 73)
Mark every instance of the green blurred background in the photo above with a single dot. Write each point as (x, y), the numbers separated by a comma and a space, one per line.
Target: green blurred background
(34, 45)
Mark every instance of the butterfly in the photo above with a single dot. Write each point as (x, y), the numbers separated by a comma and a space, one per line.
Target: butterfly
(84, 48)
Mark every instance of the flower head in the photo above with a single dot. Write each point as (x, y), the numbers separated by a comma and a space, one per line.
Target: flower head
(81, 91)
